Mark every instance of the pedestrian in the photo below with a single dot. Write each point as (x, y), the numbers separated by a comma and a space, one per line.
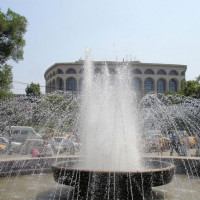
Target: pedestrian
(184, 145)
(35, 152)
(174, 144)
(159, 144)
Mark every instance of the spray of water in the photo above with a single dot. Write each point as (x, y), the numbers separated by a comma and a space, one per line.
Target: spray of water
(108, 129)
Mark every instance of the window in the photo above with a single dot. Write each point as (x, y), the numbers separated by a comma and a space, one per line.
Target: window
(54, 84)
(71, 71)
(149, 71)
(161, 86)
(137, 84)
(148, 85)
(71, 84)
(60, 84)
(173, 85)
(173, 72)
(16, 132)
(112, 71)
(183, 73)
(161, 72)
(24, 132)
(81, 71)
(137, 71)
(97, 71)
(59, 71)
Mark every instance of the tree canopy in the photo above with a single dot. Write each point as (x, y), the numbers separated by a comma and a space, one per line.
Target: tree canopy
(33, 90)
(12, 29)
(191, 88)
(5, 81)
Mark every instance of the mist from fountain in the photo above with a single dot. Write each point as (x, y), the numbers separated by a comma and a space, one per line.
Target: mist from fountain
(108, 128)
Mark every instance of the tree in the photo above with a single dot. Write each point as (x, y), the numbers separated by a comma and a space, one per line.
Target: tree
(191, 88)
(12, 29)
(33, 90)
(5, 81)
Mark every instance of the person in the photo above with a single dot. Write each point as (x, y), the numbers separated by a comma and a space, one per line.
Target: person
(197, 144)
(184, 145)
(159, 144)
(46, 150)
(35, 152)
(174, 144)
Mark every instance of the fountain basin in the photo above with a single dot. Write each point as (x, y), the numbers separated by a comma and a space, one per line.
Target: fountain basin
(97, 184)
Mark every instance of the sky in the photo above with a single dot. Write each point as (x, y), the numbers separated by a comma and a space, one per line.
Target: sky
(153, 31)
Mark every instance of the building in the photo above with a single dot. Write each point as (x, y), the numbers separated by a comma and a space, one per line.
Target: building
(147, 77)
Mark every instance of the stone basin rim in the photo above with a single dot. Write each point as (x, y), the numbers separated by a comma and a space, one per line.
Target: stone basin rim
(170, 167)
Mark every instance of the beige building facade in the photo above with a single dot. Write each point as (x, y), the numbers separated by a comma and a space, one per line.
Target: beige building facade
(147, 77)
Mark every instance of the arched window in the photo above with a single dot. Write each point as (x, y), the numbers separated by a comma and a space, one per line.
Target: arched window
(50, 75)
(161, 72)
(137, 84)
(81, 71)
(173, 72)
(183, 73)
(97, 71)
(50, 87)
(60, 83)
(53, 85)
(173, 85)
(112, 71)
(71, 84)
(137, 71)
(161, 87)
(54, 73)
(149, 71)
(59, 71)
(148, 85)
(71, 71)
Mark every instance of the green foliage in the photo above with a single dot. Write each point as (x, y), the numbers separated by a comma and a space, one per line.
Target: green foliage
(191, 88)
(12, 29)
(33, 90)
(5, 81)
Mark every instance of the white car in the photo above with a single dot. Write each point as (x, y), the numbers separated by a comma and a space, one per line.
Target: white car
(21, 133)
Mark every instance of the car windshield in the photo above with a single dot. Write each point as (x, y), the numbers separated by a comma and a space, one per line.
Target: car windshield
(16, 131)
(58, 139)
(24, 132)
(3, 140)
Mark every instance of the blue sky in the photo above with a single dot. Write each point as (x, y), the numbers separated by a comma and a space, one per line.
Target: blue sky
(157, 31)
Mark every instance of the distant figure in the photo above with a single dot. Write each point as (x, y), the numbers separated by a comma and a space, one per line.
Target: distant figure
(35, 152)
(159, 144)
(197, 144)
(46, 150)
(184, 145)
(174, 144)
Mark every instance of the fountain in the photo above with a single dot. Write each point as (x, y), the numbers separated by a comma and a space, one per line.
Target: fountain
(111, 167)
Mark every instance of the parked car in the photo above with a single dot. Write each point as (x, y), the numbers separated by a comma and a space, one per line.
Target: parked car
(21, 133)
(15, 146)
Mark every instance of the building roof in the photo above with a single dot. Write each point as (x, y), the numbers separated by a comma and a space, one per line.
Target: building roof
(133, 63)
